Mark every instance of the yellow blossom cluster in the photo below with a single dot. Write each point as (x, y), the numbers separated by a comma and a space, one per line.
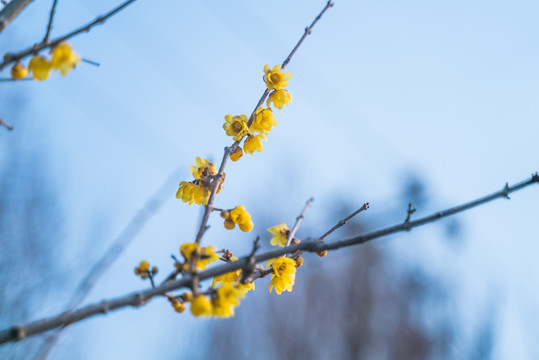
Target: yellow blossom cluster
(238, 216)
(198, 191)
(63, 59)
(228, 289)
(220, 304)
(283, 275)
(263, 120)
(144, 271)
(202, 256)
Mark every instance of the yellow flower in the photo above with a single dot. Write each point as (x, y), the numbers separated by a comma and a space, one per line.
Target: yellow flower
(237, 154)
(185, 192)
(253, 143)
(284, 274)
(193, 193)
(236, 126)
(276, 78)
(239, 216)
(201, 306)
(40, 68)
(201, 195)
(279, 98)
(18, 71)
(64, 58)
(203, 168)
(280, 234)
(263, 121)
(227, 298)
(144, 265)
(206, 255)
(232, 278)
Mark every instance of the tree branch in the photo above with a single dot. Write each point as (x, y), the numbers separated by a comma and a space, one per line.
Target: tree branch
(3, 123)
(129, 233)
(298, 221)
(343, 221)
(10, 12)
(16, 333)
(51, 18)
(11, 58)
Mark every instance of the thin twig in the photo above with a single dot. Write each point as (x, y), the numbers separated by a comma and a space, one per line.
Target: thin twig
(343, 221)
(409, 213)
(16, 333)
(308, 31)
(129, 233)
(298, 221)
(49, 25)
(11, 58)
(3, 123)
(229, 150)
(11, 79)
(90, 62)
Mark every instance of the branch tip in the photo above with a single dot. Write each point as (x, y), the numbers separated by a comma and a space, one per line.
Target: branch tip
(506, 191)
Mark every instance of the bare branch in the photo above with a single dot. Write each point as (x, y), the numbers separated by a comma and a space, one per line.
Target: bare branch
(11, 58)
(136, 299)
(409, 213)
(343, 221)
(298, 221)
(49, 25)
(3, 123)
(308, 31)
(87, 61)
(10, 12)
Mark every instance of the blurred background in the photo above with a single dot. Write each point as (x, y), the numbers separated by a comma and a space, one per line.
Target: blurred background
(433, 103)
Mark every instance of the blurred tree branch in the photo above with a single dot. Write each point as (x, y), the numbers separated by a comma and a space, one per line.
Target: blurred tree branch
(16, 333)
(150, 208)
(10, 12)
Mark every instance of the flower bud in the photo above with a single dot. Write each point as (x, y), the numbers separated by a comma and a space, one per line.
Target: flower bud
(322, 253)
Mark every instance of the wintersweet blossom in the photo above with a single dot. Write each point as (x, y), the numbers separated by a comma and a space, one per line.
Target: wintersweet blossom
(253, 143)
(276, 78)
(241, 217)
(280, 234)
(203, 255)
(40, 68)
(201, 306)
(227, 298)
(263, 121)
(193, 193)
(236, 126)
(279, 98)
(284, 274)
(203, 168)
(238, 216)
(18, 71)
(64, 58)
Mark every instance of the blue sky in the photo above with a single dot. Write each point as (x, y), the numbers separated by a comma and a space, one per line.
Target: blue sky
(447, 90)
